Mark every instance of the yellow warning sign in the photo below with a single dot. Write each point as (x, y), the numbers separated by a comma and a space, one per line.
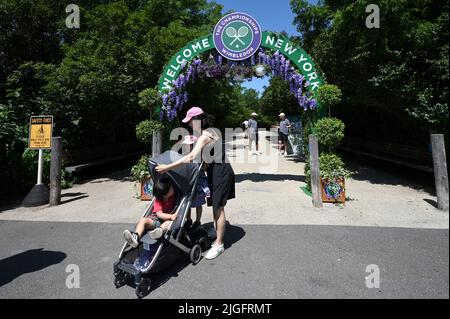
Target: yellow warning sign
(40, 132)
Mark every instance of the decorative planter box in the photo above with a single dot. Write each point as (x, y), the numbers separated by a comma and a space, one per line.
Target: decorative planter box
(333, 192)
(146, 188)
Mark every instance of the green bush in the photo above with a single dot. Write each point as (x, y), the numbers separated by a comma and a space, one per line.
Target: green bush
(144, 130)
(149, 99)
(140, 170)
(330, 132)
(329, 95)
(331, 167)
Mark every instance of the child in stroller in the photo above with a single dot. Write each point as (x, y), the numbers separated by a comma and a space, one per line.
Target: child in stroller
(161, 217)
(161, 248)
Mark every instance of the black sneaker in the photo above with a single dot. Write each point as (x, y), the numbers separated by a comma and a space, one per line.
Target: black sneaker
(132, 238)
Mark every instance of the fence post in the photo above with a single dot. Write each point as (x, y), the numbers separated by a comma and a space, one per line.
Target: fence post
(55, 171)
(157, 143)
(440, 170)
(315, 171)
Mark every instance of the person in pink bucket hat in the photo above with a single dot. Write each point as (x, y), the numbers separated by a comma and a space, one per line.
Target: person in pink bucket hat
(221, 180)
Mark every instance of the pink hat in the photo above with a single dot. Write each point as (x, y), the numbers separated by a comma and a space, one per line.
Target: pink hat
(189, 139)
(193, 111)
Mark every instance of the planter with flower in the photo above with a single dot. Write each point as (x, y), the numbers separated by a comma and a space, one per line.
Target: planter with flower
(143, 181)
(332, 178)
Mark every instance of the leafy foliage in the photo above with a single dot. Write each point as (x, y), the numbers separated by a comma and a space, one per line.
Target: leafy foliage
(96, 81)
(145, 129)
(330, 132)
(331, 167)
(397, 74)
(329, 95)
(140, 170)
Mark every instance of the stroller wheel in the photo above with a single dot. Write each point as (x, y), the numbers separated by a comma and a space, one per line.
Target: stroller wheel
(143, 288)
(203, 242)
(120, 279)
(196, 254)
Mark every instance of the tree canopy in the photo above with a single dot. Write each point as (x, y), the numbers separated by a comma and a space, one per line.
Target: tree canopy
(394, 79)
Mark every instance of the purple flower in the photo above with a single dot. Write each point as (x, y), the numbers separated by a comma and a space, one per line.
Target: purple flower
(312, 104)
(182, 80)
(177, 102)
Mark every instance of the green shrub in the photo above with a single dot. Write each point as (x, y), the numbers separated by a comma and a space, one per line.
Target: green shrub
(329, 95)
(149, 99)
(330, 132)
(331, 167)
(140, 170)
(144, 130)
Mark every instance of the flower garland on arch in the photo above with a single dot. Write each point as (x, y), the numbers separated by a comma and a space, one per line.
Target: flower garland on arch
(217, 67)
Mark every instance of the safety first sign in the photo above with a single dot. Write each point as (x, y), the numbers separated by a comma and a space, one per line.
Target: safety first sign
(40, 132)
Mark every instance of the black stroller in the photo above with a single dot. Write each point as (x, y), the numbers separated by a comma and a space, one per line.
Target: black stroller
(164, 251)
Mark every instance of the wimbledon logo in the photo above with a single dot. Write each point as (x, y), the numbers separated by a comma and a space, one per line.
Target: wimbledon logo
(237, 36)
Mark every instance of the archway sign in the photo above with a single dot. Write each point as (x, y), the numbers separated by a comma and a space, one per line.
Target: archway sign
(239, 41)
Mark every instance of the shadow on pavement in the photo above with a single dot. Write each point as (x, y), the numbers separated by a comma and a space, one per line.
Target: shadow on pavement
(232, 235)
(257, 177)
(28, 262)
(378, 172)
(431, 202)
(73, 199)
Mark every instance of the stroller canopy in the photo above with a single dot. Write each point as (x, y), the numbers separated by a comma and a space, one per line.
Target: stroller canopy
(183, 176)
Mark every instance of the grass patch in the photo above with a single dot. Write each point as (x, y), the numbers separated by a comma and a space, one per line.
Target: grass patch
(306, 190)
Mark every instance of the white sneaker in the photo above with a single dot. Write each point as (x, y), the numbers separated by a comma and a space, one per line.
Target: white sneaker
(215, 251)
(131, 237)
(156, 233)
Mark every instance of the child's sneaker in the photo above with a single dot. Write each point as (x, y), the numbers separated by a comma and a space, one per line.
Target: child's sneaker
(132, 238)
(156, 233)
(215, 251)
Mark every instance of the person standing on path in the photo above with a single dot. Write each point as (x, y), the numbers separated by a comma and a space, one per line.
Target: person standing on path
(220, 173)
(283, 134)
(253, 135)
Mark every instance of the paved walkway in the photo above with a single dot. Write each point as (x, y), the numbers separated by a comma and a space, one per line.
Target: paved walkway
(277, 244)
(267, 193)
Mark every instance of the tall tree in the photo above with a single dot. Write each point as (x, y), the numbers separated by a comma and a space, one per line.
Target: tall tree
(394, 79)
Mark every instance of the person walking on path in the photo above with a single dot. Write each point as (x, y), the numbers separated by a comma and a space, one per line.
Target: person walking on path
(283, 133)
(220, 173)
(253, 135)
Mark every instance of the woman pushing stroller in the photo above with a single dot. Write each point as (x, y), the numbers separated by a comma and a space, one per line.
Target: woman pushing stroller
(220, 173)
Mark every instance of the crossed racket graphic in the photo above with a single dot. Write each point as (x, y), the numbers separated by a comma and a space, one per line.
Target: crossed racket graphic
(237, 35)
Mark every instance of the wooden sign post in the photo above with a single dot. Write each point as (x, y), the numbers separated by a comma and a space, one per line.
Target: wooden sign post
(315, 171)
(440, 170)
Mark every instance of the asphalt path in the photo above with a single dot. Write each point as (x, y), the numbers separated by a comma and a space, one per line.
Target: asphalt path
(260, 261)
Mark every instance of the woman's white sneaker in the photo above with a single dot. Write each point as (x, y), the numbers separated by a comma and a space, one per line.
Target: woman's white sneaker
(214, 251)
